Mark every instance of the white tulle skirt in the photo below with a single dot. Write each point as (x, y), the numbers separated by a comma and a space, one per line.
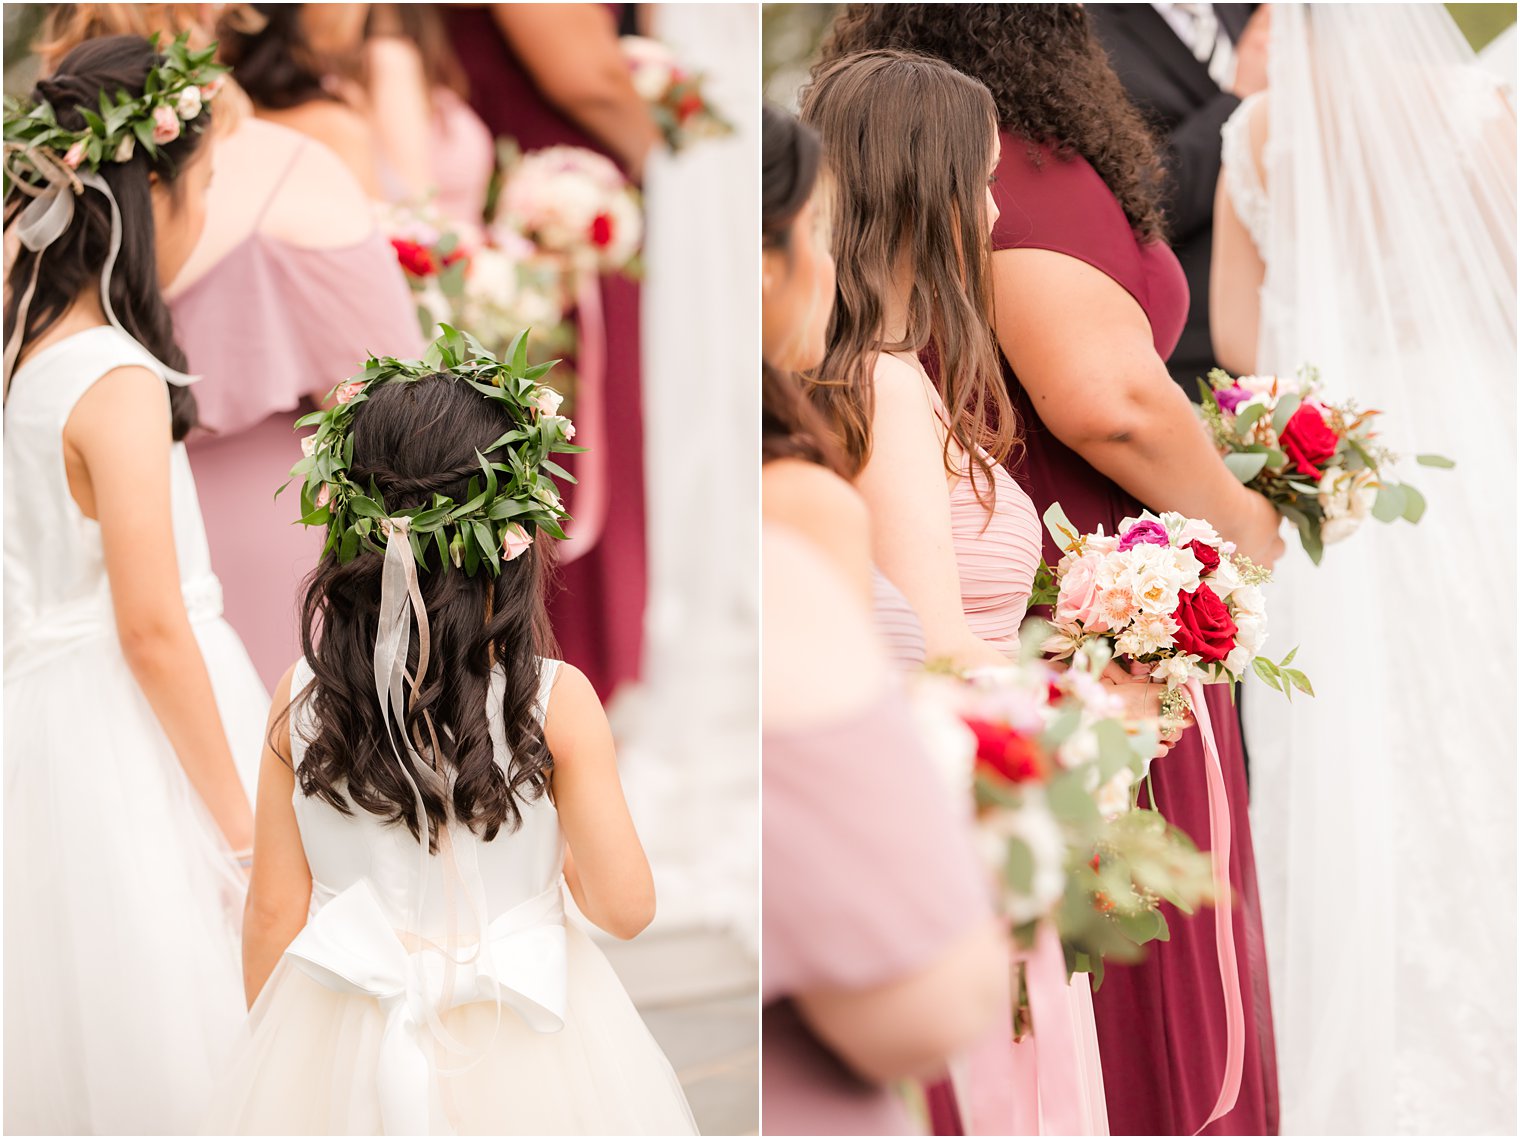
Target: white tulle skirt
(307, 1065)
(123, 988)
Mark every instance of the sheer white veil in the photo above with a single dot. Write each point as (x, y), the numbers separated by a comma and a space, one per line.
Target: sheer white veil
(1384, 809)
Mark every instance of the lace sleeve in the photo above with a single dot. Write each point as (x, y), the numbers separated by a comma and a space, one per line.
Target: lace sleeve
(1242, 180)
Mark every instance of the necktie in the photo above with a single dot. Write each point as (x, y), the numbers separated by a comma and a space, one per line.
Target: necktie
(1210, 45)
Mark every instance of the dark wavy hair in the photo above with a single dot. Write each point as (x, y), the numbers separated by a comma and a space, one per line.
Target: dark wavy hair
(1048, 74)
(73, 262)
(415, 440)
(790, 157)
(270, 56)
(909, 144)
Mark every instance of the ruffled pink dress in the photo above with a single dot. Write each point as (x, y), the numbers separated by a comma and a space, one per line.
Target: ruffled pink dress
(267, 327)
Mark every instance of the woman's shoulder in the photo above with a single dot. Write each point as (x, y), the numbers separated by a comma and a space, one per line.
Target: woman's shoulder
(1049, 198)
(787, 484)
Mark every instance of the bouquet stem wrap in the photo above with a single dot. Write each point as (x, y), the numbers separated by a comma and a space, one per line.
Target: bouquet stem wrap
(1046, 1084)
(1224, 928)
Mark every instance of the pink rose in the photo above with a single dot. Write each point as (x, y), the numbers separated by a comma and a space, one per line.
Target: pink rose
(515, 541)
(347, 391)
(165, 125)
(212, 89)
(547, 401)
(1078, 599)
(75, 155)
(324, 496)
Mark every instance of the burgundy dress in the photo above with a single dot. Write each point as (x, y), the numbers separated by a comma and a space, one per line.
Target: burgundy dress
(598, 612)
(1161, 1023)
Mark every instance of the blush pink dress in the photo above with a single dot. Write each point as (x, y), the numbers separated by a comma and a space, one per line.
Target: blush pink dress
(869, 877)
(268, 327)
(996, 535)
(464, 156)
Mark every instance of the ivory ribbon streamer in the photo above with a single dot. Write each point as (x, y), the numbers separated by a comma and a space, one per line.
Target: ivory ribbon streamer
(46, 219)
(1036, 1086)
(591, 490)
(1224, 929)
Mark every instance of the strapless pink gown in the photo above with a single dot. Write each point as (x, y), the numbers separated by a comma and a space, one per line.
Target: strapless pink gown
(1006, 1088)
(267, 327)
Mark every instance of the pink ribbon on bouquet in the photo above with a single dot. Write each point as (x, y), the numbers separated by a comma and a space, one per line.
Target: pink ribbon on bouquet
(1046, 1084)
(591, 490)
(1224, 929)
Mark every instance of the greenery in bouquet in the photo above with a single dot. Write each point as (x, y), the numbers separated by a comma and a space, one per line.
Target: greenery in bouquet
(1321, 464)
(675, 95)
(1052, 774)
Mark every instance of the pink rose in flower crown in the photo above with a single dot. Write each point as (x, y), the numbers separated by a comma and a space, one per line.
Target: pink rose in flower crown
(74, 155)
(546, 401)
(1147, 533)
(515, 542)
(165, 125)
(1204, 626)
(347, 391)
(1308, 440)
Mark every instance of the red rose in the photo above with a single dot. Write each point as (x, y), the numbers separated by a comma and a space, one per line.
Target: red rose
(689, 105)
(1204, 625)
(455, 257)
(601, 231)
(1007, 753)
(1206, 554)
(415, 259)
(1308, 440)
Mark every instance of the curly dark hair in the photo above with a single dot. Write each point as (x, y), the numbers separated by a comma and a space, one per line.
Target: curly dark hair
(415, 440)
(1048, 74)
(97, 69)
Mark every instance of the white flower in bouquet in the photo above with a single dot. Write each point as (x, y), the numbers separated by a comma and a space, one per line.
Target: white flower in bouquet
(574, 203)
(1148, 633)
(651, 65)
(1113, 797)
(1031, 824)
(1346, 497)
(933, 703)
(1175, 670)
(493, 278)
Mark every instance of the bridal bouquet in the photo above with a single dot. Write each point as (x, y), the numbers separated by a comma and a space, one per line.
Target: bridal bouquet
(1165, 593)
(574, 204)
(674, 94)
(1319, 463)
(1051, 771)
(433, 260)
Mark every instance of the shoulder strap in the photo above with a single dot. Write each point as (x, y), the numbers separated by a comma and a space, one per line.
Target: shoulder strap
(274, 190)
(58, 376)
(300, 712)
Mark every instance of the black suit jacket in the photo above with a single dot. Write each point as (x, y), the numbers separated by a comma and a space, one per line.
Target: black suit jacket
(1186, 109)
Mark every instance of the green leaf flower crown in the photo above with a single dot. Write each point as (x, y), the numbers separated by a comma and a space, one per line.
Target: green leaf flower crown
(174, 95)
(513, 496)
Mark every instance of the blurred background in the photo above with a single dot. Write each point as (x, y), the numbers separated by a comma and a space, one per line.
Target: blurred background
(591, 171)
(792, 33)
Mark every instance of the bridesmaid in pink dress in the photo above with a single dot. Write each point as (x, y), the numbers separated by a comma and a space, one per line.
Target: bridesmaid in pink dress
(432, 143)
(951, 528)
(549, 75)
(1090, 303)
(290, 289)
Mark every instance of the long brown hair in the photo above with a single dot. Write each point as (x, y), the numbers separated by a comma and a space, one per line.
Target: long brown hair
(908, 140)
(1048, 74)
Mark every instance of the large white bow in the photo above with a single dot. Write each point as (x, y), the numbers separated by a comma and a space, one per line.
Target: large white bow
(351, 946)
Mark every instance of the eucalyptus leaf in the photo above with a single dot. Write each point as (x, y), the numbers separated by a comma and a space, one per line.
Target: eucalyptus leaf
(1287, 404)
(1245, 466)
(1389, 504)
(1414, 504)
(1441, 462)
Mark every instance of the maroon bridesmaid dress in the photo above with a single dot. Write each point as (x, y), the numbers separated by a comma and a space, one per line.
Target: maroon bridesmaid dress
(598, 609)
(1161, 1023)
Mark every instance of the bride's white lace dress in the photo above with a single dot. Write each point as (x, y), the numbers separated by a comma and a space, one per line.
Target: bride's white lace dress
(1383, 207)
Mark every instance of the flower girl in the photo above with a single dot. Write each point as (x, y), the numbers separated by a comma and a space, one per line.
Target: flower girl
(406, 954)
(123, 807)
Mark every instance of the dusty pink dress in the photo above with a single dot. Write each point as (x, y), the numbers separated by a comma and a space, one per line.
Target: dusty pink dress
(869, 877)
(464, 155)
(267, 327)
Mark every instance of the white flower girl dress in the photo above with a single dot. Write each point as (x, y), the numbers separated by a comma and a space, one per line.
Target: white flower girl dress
(375, 1024)
(123, 993)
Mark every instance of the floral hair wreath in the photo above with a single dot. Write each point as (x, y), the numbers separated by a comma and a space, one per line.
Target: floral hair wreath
(513, 496)
(175, 92)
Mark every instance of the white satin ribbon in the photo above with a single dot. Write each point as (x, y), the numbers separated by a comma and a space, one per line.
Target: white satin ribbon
(349, 946)
(43, 222)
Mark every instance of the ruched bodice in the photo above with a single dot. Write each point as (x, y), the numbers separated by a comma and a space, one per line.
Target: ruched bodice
(997, 550)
